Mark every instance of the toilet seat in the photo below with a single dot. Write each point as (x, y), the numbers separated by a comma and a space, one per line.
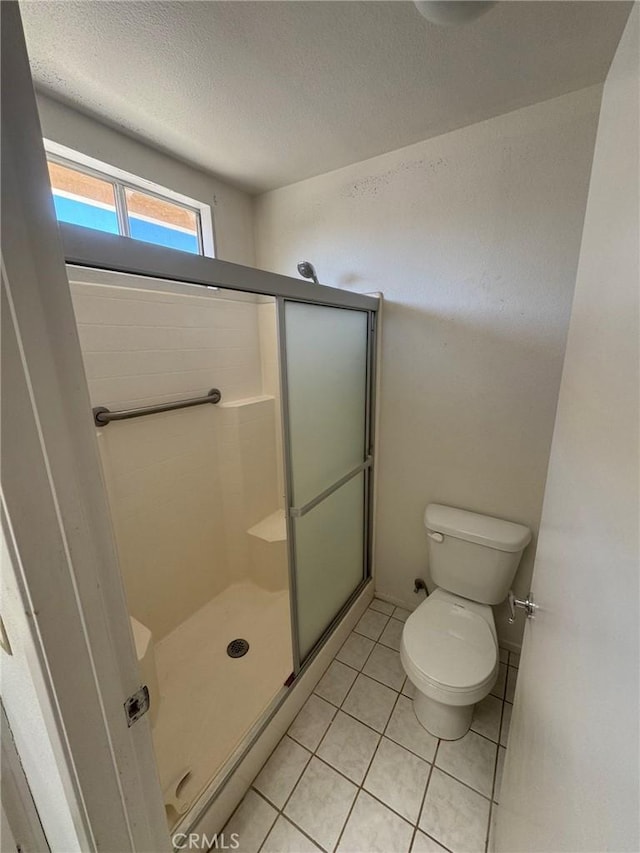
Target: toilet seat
(449, 651)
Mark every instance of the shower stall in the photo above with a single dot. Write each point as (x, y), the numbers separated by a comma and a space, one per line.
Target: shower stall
(234, 413)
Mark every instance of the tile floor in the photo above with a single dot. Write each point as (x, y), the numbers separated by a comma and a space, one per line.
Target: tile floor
(356, 773)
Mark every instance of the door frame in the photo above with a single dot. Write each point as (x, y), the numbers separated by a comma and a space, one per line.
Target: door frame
(73, 662)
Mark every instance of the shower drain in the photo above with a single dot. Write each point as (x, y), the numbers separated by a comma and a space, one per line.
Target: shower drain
(237, 648)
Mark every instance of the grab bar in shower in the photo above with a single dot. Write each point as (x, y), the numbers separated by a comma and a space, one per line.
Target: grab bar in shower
(103, 416)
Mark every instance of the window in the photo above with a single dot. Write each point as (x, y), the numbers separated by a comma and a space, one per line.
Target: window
(157, 220)
(82, 199)
(110, 200)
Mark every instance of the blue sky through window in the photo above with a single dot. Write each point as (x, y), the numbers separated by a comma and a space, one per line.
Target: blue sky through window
(104, 218)
(77, 212)
(163, 235)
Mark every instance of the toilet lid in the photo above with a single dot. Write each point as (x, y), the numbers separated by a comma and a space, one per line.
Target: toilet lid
(450, 644)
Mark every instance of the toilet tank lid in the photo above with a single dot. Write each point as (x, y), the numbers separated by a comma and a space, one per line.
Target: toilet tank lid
(473, 527)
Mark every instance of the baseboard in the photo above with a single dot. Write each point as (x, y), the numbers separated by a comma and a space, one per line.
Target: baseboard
(400, 602)
(220, 810)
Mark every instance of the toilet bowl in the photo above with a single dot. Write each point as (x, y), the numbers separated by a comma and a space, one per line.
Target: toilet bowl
(449, 651)
(449, 646)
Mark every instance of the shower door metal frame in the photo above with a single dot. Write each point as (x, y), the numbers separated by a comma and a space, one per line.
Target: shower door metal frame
(90, 249)
(366, 468)
(85, 247)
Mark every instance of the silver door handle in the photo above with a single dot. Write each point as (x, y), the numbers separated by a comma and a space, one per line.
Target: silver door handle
(526, 604)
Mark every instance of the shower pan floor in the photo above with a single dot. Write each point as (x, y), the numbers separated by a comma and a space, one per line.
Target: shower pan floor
(209, 701)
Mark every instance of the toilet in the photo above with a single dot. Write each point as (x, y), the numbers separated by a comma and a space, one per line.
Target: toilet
(449, 646)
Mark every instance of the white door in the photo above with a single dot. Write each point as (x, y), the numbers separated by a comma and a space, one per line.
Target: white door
(571, 773)
(68, 664)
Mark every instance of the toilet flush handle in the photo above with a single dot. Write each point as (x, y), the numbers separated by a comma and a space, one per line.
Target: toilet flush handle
(526, 604)
(437, 537)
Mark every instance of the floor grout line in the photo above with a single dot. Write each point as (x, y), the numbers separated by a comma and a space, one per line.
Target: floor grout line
(486, 843)
(466, 784)
(424, 797)
(366, 675)
(386, 725)
(371, 607)
(313, 753)
(299, 828)
(433, 838)
(383, 733)
(355, 799)
(255, 790)
(486, 737)
(495, 777)
(366, 725)
(359, 787)
(281, 810)
(367, 637)
(369, 653)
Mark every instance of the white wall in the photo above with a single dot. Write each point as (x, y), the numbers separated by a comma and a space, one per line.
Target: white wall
(571, 773)
(473, 237)
(231, 208)
(185, 486)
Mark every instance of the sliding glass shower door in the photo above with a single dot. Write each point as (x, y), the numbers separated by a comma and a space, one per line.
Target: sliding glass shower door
(243, 528)
(327, 355)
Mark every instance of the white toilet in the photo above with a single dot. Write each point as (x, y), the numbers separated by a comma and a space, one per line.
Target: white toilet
(449, 647)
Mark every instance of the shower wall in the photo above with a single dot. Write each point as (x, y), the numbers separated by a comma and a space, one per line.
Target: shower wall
(186, 487)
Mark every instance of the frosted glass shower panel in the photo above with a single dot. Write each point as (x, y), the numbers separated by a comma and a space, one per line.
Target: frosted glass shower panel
(329, 543)
(327, 385)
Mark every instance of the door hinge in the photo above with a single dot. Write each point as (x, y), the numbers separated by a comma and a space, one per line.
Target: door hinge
(137, 705)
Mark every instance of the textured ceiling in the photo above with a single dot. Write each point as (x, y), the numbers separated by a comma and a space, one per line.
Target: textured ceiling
(267, 93)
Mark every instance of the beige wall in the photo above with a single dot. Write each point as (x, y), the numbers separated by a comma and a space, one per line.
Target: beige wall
(473, 237)
(231, 208)
(184, 487)
(571, 771)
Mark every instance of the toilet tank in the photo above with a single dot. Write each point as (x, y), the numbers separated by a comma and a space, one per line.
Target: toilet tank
(475, 556)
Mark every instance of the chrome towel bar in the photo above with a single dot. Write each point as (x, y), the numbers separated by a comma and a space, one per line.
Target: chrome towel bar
(102, 416)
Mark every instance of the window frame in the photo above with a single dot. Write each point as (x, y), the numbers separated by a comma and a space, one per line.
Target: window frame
(121, 181)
